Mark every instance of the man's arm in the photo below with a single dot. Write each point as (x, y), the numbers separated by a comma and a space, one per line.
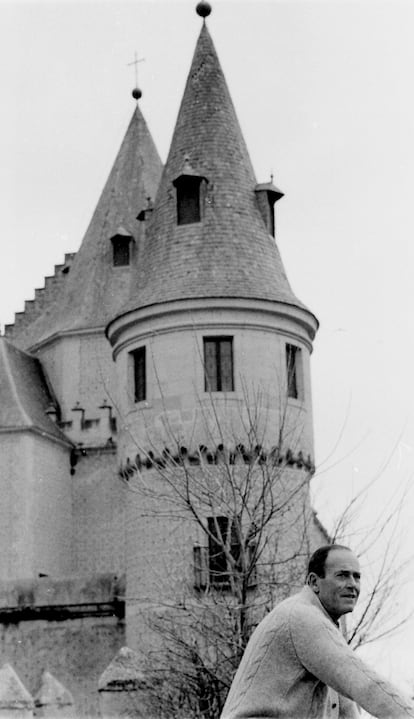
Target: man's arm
(322, 650)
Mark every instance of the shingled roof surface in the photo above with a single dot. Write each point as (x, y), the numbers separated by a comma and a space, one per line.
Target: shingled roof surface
(24, 393)
(230, 252)
(95, 290)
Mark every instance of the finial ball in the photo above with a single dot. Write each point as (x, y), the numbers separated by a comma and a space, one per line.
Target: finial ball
(136, 93)
(203, 9)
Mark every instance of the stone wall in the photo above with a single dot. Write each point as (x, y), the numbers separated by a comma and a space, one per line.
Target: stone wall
(36, 506)
(178, 408)
(162, 534)
(71, 627)
(82, 374)
(99, 502)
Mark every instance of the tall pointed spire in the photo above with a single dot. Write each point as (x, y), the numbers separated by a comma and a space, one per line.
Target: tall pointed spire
(95, 289)
(228, 252)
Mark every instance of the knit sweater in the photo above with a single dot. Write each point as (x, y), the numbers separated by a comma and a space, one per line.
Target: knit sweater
(297, 664)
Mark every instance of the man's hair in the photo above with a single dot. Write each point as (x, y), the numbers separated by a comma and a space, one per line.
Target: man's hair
(318, 558)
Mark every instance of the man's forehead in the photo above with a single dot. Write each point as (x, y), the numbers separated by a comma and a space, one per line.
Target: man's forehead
(342, 559)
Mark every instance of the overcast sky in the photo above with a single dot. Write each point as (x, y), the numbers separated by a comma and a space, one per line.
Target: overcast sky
(324, 95)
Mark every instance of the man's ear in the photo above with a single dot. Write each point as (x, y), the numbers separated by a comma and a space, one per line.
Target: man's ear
(313, 581)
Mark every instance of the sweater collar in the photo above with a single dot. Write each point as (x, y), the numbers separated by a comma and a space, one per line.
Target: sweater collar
(311, 598)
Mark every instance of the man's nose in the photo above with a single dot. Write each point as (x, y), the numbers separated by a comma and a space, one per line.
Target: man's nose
(353, 582)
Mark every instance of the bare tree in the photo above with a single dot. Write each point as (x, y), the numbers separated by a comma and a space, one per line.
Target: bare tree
(386, 573)
(253, 530)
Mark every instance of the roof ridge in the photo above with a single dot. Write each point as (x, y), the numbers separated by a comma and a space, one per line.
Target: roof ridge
(12, 383)
(27, 394)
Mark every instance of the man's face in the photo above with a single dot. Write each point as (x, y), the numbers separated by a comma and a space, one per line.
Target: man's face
(339, 589)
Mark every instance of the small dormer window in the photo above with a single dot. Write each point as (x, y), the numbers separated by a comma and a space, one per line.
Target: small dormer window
(188, 200)
(188, 185)
(267, 194)
(121, 249)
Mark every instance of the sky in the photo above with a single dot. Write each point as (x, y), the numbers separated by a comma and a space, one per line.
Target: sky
(324, 95)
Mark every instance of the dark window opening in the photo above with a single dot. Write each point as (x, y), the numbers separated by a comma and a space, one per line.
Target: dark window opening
(188, 200)
(271, 218)
(121, 251)
(267, 194)
(222, 534)
(292, 368)
(213, 565)
(218, 364)
(140, 380)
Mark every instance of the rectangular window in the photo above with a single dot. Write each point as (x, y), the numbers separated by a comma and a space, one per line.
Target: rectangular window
(121, 251)
(188, 201)
(218, 364)
(211, 566)
(293, 371)
(219, 529)
(140, 379)
(223, 533)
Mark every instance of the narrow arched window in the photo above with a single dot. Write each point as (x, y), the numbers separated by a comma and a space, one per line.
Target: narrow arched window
(294, 372)
(139, 374)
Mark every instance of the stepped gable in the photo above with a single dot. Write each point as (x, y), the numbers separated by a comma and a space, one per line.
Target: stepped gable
(94, 289)
(44, 297)
(229, 253)
(25, 394)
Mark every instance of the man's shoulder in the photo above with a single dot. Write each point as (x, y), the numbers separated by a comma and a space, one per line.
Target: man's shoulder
(294, 620)
(301, 599)
(302, 607)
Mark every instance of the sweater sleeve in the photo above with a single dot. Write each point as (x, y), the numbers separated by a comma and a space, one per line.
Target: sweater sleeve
(323, 652)
(348, 709)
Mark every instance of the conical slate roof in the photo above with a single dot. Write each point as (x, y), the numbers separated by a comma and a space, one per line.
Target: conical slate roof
(230, 252)
(95, 290)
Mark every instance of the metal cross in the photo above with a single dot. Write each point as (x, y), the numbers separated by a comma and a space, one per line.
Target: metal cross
(135, 62)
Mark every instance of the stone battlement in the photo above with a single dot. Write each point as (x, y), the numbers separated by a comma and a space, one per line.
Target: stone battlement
(63, 598)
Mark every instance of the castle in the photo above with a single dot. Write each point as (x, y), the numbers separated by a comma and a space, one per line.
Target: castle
(171, 340)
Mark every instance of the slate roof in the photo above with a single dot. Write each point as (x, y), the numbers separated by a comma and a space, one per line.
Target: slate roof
(24, 393)
(94, 290)
(230, 252)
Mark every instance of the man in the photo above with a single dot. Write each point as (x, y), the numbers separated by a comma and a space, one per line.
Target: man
(297, 663)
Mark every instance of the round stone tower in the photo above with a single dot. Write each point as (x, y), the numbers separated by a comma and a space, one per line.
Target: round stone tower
(212, 349)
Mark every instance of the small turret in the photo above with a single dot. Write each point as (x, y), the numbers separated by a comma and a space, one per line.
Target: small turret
(267, 195)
